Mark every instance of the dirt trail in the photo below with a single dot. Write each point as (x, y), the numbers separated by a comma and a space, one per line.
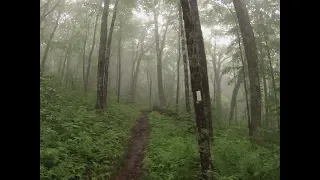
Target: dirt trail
(132, 169)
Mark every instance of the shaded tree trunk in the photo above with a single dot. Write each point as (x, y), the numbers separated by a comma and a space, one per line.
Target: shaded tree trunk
(185, 62)
(162, 98)
(102, 56)
(108, 51)
(273, 82)
(119, 61)
(84, 59)
(137, 59)
(199, 82)
(234, 96)
(252, 60)
(244, 74)
(45, 55)
(91, 52)
(178, 63)
(265, 92)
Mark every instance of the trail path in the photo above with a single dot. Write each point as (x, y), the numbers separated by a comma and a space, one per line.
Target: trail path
(132, 169)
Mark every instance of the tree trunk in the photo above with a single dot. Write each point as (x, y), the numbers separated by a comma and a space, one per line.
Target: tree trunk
(217, 81)
(265, 92)
(45, 56)
(162, 98)
(199, 82)
(119, 61)
(273, 82)
(234, 96)
(91, 52)
(84, 59)
(244, 74)
(102, 56)
(252, 60)
(138, 60)
(67, 56)
(178, 64)
(185, 62)
(108, 50)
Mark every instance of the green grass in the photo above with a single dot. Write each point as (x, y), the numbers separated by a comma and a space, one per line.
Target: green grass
(75, 141)
(172, 153)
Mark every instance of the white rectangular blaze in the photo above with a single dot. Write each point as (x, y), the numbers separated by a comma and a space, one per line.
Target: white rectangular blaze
(199, 96)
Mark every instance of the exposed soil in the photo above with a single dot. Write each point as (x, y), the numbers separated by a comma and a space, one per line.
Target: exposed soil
(132, 169)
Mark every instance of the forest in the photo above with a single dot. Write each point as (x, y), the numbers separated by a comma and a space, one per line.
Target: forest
(160, 89)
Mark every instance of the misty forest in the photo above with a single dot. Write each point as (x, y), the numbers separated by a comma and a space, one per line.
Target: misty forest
(160, 89)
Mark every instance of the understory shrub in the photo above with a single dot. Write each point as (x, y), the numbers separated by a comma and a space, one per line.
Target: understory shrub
(75, 141)
(173, 153)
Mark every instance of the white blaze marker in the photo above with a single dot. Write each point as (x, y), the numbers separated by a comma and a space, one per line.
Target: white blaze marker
(198, 96)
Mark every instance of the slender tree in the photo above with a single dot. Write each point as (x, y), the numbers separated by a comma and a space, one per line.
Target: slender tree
(102, 56)
(45, 56)
(250, 48)
(91, 52)
(119, 61)
(159, 50)
(178, 65)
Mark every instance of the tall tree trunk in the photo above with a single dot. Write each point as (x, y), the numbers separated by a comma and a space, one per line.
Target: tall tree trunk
(244, 74)
(138, 60)
(119, 61)
(273, 82)
(185, 62)
(102, 56)
(162, 98)
(234, 96)
(84, 59)
(91, 52)
(178, 65)
(45, 56)
(265, 92)
(67, 56)
(252, 61)
(108, 50)
(217, 81)
(218, 89)
(199, 82)
(150, 87)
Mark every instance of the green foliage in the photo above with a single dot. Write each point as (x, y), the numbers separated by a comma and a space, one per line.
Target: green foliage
(75, 141)
(173, 153)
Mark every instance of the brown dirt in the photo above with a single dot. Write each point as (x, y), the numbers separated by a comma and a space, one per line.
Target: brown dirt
(133, 169)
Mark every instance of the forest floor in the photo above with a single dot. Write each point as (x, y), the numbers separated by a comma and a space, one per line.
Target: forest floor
(133, 163)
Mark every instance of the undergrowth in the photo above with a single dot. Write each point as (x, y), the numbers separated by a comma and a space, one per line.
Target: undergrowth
(75, 141)
(173, 153)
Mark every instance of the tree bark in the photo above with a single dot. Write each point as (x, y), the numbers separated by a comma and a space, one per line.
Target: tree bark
(119, 61)
(273, 82)
(199, 82)
(234, 96)
(91, 52)
(185, 62)
(102, 56)
(108, 50)
(136, 65)
(178, 64)
(162, 98)
(84, 59)
(45, 55)
(252, 60)
(265, 92)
